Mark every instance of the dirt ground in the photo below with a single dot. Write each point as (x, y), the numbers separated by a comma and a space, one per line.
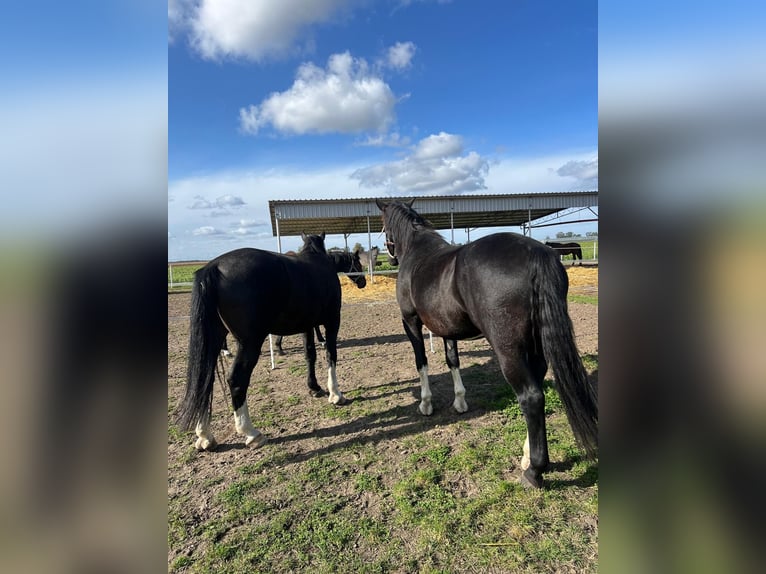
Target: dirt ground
(376, 371)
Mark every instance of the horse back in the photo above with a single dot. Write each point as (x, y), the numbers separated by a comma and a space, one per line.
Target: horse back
(457, 290)
(280, 294)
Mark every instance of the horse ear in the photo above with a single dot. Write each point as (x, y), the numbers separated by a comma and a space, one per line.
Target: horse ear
(381, 205)
(410, 202)
(303, 236)
(322, 235)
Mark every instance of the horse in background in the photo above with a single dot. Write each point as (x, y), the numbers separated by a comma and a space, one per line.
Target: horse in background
(365, 257)
(511, 290)
(251, 293)
(572, 248)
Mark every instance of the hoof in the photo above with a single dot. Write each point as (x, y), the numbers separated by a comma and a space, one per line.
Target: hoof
(530, 481)
(280, 352)
(256, 441)
(317, 392)
(339, 400)
(426, 409)
(205, 444)
(460, 406)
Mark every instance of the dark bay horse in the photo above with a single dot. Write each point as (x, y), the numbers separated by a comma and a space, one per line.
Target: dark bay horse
(251, 293)
(571, 248)
(344, 263)
(513, 291)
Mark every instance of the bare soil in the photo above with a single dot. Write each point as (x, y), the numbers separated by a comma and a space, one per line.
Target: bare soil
(375, 370)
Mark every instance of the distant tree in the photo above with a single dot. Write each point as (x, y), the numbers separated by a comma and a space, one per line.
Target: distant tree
(562, 234)
(591, 234)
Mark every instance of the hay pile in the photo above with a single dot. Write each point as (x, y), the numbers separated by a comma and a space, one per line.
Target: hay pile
(385, 287)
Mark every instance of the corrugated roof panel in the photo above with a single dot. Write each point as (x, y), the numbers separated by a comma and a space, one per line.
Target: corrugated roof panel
(339, 216)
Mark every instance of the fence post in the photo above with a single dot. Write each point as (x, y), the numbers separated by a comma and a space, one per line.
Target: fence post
(170, 267)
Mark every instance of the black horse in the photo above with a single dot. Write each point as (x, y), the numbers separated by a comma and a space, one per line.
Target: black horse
(251, 293)
(572, 248)
(344, 263)
(513, 291)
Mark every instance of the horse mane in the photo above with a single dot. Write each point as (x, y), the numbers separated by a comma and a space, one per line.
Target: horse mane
(313, 244)
(404, 221)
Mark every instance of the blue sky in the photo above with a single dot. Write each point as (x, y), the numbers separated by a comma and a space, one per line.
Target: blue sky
(360, 98)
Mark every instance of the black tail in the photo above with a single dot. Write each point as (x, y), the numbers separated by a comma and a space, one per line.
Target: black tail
(552, 321)
(206, 339)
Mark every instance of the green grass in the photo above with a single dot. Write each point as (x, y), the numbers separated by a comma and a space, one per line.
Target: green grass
(424, 501)
(589, 299)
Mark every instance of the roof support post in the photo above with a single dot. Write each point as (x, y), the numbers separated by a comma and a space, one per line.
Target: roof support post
(279, 239)
(452, 220)
(370, 262)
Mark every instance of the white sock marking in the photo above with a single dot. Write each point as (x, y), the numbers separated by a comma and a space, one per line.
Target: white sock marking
(244, 426)
(460, 405)
(336, 397)
(425, 407)
(205, 439)
(525, 462)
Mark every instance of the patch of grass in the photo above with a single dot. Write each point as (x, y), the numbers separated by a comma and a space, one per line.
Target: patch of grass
(298, 370)
(181, 562)
(365, 482)
(589, 299)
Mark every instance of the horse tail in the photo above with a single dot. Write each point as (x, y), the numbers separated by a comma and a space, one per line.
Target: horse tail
(551, 320)
(206, 339)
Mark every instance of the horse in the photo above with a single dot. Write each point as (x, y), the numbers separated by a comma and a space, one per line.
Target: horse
(251, 293)
(573, 249)
(365, 257)
(510, 289)
(344, 263)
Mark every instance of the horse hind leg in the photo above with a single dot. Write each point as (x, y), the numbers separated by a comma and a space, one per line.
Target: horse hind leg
(526, 377)
(453, 362)
(239, 380)
(336, 396)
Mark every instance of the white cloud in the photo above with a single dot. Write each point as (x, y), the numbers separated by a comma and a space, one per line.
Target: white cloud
(253, 29)
(207, 230)
(399, 56)
(532, 174)
(436, 165)
(584, 171)
(222, 202)
(345, 97)
(247, 223)
(393, 139)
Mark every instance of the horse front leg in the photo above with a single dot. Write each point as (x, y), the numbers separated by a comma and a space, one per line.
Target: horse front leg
(331, 346)
(413, 326)
(453, 362)
(310, 352)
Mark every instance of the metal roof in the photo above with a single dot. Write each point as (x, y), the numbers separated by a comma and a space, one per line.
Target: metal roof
(346, 216)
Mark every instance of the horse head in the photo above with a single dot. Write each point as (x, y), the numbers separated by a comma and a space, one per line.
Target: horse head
(357, 267)
(389, 228)
(313, 243)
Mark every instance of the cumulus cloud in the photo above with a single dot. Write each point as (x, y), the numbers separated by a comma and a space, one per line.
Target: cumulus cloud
(246, 223)
(584, 171)
(393, 139)
(437, 164)
(251, 29)
(221, 203)
(207, 230)
(399, 56)
(344, 98)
